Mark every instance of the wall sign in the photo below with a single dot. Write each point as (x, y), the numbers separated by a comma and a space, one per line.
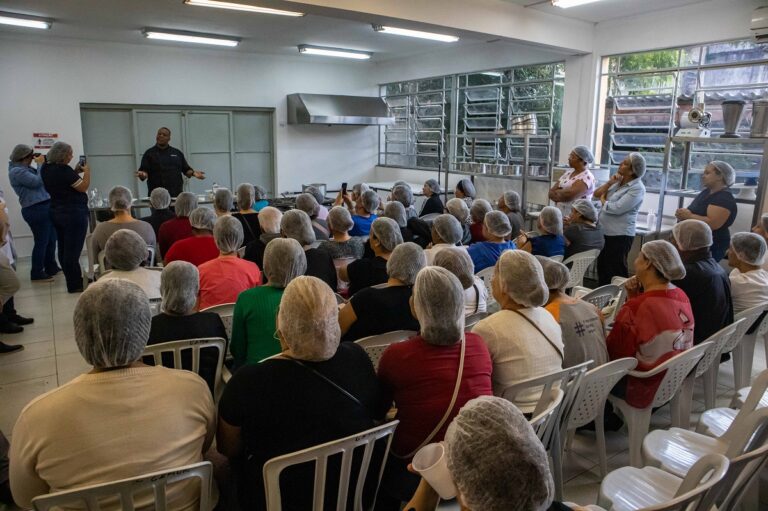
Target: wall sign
(44, 140)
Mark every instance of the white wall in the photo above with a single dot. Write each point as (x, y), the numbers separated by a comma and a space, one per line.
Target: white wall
(45, 81)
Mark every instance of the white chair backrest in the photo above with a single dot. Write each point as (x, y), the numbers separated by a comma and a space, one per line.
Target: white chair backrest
(750, 316)
(699, 487)
(473, 319)
(151, 255)
(486, 274)
(718, 340)
(594, 390)
(155, 483)
(552, 403)
(579, 264)
(375, 345)
(102, 259)
(676, 369)
(225, 311)
(241, 252)
(743, 470)
(194, 346)
(739, 426)
(602, 296)
(558, 258)
(319, 455)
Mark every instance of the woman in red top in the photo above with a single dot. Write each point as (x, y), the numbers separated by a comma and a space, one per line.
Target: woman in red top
(420, 375)
(656, 322)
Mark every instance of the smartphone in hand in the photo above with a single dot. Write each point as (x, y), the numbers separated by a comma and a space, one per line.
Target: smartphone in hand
(343, 188)
(82, 161)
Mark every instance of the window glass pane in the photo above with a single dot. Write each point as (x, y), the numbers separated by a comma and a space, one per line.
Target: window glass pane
(690, 56)
(531, 73)
(661, 59)
(532, 90)
(734, 51)
(734, 76)
(430, 84)
(485, 78)
(645, 84)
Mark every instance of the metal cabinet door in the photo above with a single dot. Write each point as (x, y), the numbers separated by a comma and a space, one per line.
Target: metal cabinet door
(253, 159)
(108, 144)
(209, 148)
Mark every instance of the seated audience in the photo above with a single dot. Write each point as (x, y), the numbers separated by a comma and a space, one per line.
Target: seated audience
(446, 233)
(705, 283)
(120, 201)
(465, 190)
(364, 215)
(582, 232)
(159, 209)
(259, 198)
(322, 211)
(357, 192)
(223, 202)
(253, 321)
(581, 324)
(121, 419)
(302, 383)
(296, 224)
(550, 242)
(523, 338)
(396, 211)
(177, 228)
(496, 230)
(269, 224)
(749, 281)
(509, 203)
(225, 277)
(306, 202)
(125, 251)
(457, 261)
(341, 245)
(477, 215)
(385, 236)
(246, 214)
(459, 209)
(656, 322)
(403, 194)
(420, 375)
(200, 247)
(374, 310)
(433, 204)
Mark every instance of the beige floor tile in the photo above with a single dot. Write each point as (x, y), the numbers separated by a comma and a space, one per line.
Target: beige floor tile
(15, 396)
(28, 370)
(65, 345)
(31, 351)
(583, 490)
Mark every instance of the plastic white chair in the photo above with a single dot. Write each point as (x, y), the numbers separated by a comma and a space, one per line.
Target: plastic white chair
(375, 345)
(715, 422)
(649, 488)
(579, 291)
(745, 349)
(319, 455)
(638, 420)
(601, 296)
(151, 255)
(742, 474)
(589, 404)
(707, 367)
(557, 258)
(486, 275)
(579, 264)
(156, 484)
(473, 319)
(225, 312)
(193, 346)
(552, 402)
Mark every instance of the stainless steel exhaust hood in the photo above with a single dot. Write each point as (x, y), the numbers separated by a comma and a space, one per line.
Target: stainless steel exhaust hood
(332, 109)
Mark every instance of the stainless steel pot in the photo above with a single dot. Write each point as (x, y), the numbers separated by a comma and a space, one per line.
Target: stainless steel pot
(516, 170)
(759, 119)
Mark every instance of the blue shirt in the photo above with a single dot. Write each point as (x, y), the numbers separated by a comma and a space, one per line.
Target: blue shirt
(548, 245)
(484, 254)
(619, 213)
(362, 225)
(28, 184)
(260, 204)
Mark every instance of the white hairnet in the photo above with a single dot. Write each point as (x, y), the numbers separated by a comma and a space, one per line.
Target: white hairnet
(725, 170)
(512, 200)
(466, 187)
(405, 262)
(586, 209)
(359, 188)
(387, 232)
(403, 194)
(179, 286)
(120, 198)
(297, 225)
(584, 153)
(438, 301)
(185, 203)
(316, 193)
(222, 200)
(202, 218)
(125, 250)
(495, 458)
(306, 202)
(521, 278)
(20, 153)
(497, 224)
(637, 161)
(112, 320)
(284, 260)
(160, 198)
(749, 247)
(457, 261)
(245, 194)
(308, 319)
(369, 200)
(259, 193)
(228, 234)
(447, 228)
(665, 258)
(692, 234)
(556, 274)
(396, 211)
(433, 185)
(269, 220)
(551, 220)
(339, 219)
(478, 210)
(459, 209)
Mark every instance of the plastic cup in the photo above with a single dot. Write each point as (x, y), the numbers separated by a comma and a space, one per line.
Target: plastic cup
(430, 463)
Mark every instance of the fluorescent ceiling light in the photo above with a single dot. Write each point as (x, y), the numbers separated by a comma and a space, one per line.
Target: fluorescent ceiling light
(334, 52)
(18, 20)
(571, 3)
(241, 7)
(190, 37)
(416, 33)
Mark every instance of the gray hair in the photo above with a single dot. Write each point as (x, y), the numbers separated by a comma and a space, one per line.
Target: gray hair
(245, 194)
(552, 220)
(433, 185)
(459, 209)
(58, 153)
(457, 261)
(403, 194)
(125, 250)
(308, 319)
(259, 193)
(497, 224)
(447, 228)
(269, 220)
(521, 278)
(307, 203)
(339, 219)
(556, 274)
(511, 200)
(749, 248)
(438, 301)
(185, 203)
(297, 225)
(228, 234)
(284, 260)
(692, 234)
(479, 209)
(405, 262)
(222, 200)
(120, 198)
(202, 218)
(112, 320)
(387, 232)
(179, 286)
(159, 198)
(369, 201)
(396, 211)
(665, 258)
(20, 153)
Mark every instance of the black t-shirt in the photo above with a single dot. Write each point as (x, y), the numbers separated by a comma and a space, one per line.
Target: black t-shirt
(432, 205)
(156, 219)
(366, 273)
(164, 168)
(723, 199)
(251, 228)
(583, 237)
(283, 407)
(381, 310)
(320, 265)
(58, 180)
(516, 221)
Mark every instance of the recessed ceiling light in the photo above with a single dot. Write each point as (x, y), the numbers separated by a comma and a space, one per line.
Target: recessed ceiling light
(189, 37)
(416, 33)
(19, 20)
(242, 7)
(571, 3)
(334, 52)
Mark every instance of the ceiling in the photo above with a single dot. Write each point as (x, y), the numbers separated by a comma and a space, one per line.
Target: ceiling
(605, 10)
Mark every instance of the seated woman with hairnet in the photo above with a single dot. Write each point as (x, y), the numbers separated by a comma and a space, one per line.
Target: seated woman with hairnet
(378, 310)
(551, 241)
(342, 247)
(761, 228)
(223, 202)
(656, 322)
(420, 376)
(200, 247)
(322, 211)
(179, 227)
(433, 204)
(446, 233)
(457, 261)
(403, 194)
(749, 281)
(385, 236)
(297, 225)
(125, 251)
(509, 203)
(582, 231)
(302, 384)
(120, 201)
(225, 277)
(397, 212)
(580, 322)
(269, 223)
(159, 209)
(460, 210)
(465, 190)
(249, 217)
(119, 420)
(253, 321)
(363, 209)
(307, 203)
(496, 231)
(523, 338)
(477, 212)
(259, 198)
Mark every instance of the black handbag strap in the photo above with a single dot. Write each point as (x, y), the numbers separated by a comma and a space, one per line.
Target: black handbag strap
(477, 298)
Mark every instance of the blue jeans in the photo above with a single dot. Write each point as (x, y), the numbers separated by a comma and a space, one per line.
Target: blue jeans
(71, 223)
(44, 252)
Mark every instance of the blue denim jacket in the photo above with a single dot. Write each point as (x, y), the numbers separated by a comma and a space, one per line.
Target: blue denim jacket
(619, 213)
(28, 184)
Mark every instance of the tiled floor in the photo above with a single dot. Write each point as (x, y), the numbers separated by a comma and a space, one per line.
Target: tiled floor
(50, 358)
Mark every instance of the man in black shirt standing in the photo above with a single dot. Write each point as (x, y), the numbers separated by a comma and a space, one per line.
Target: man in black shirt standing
(164, 165)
